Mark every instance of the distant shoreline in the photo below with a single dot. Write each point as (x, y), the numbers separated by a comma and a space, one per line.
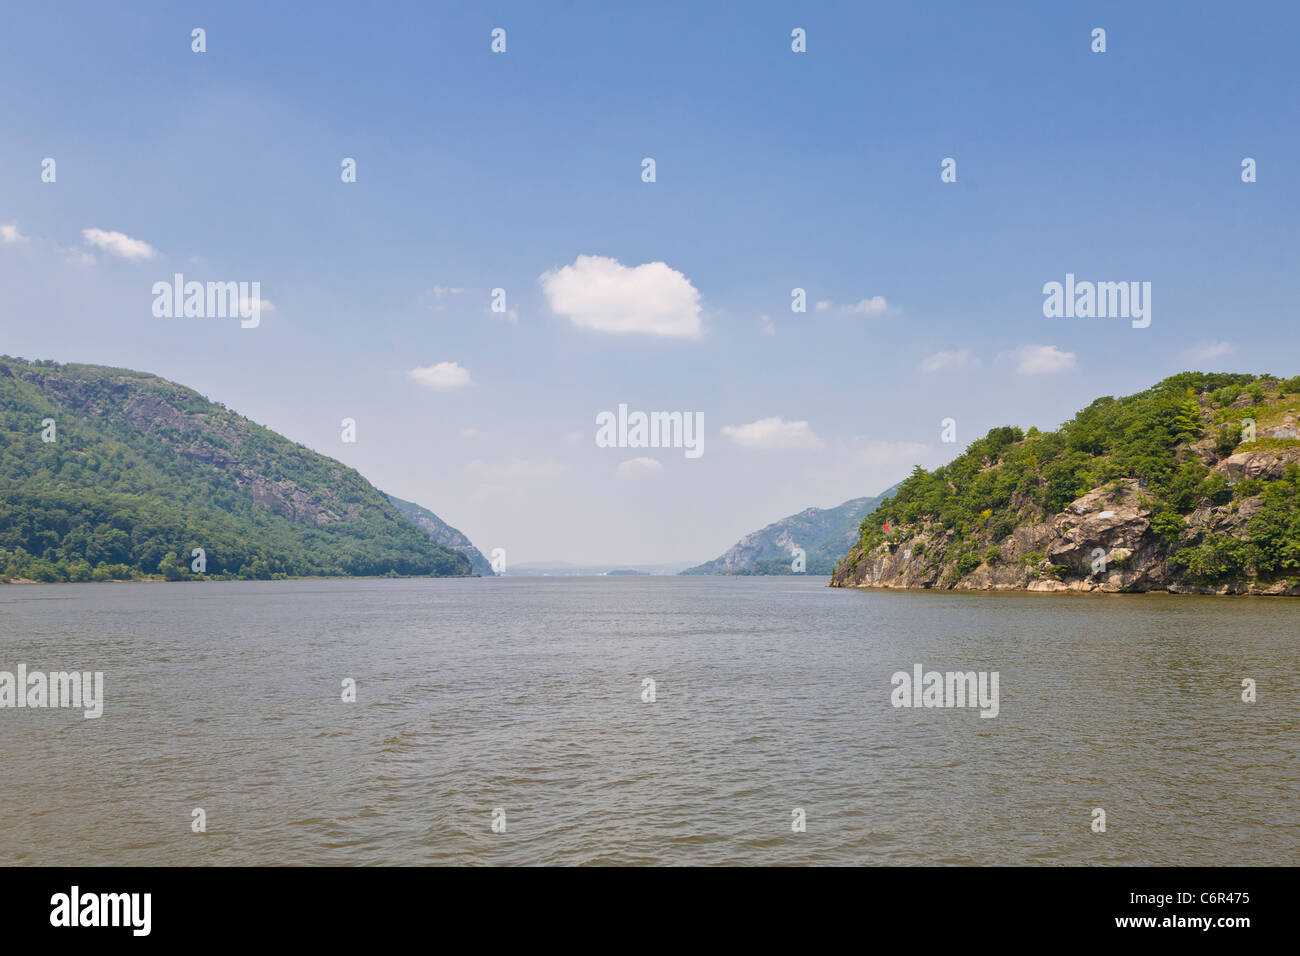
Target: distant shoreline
(208, 579)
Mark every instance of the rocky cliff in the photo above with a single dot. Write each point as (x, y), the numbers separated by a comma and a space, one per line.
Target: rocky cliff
(1190, 487)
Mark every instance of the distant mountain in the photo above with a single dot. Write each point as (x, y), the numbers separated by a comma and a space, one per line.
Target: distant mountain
(1192, 486)
(825, 534)
(107, 473)
(443, 533)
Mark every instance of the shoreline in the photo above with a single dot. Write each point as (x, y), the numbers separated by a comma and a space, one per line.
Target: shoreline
(1177, 590)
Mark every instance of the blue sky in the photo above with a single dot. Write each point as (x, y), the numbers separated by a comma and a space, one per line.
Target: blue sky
(775, 170)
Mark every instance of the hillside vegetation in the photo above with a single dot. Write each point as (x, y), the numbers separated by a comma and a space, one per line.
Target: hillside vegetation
(1167, 489)
(142, 471)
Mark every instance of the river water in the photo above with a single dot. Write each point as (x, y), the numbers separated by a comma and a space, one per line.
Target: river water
(772, 696)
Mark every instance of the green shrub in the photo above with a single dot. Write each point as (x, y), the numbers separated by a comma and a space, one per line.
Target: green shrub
(1218, 556)
(1168, 524)
(1247, 488)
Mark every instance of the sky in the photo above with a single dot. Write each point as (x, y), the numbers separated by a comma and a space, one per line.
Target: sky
(774, 170)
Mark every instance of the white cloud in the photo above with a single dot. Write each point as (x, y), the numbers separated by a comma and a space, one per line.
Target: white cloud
(1041, 359)
(510, 315)
(573, 437)
(872, 305)
(768, 433)
(950, 358)
(600, 293)
(120, 245)
(9, 234)
(639, 467)
(443, 375)
(768, 326)
(76, 256)
(1209, 351)
(875, 305)
(470, 433)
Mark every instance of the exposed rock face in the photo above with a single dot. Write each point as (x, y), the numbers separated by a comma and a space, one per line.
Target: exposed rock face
(1258, 464)
(168, 413)
(1104, 532)
(1102, 541)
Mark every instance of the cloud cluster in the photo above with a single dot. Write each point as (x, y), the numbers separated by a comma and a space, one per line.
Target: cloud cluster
(9, 234)
(443, 376)
(1209, 351)
(770, 433)
(639, 468)
(1042, 359)
(119, 244)
(950, 358)
(872, 305)
(600, 293)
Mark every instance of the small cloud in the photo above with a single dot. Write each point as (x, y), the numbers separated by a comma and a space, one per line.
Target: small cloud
(470, 433)
(573, 437)
(440, 292)
(119, 244)
(639, 468)
(444, 375)
(510, 315)
(9, 234)
(1209, 351)
(76, 256)
(872, 305)
(876, 305)
(1041, 359)
(768, 433)
(950, 358)
(602, 294)
(768, 326)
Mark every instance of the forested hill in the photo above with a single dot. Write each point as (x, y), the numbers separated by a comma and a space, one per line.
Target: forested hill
(825, 534)
(141, 471)
(1190, 486)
